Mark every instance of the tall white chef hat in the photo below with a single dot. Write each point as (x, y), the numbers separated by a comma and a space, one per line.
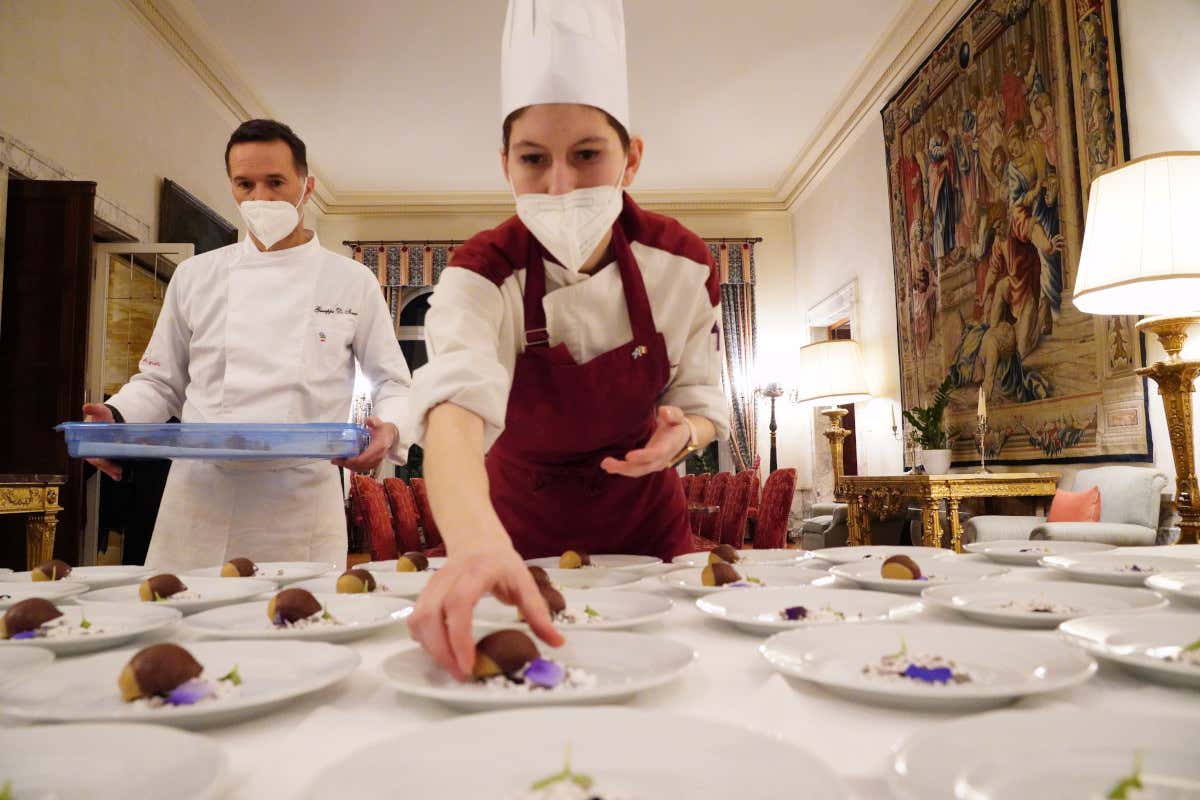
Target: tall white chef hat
(564, 51)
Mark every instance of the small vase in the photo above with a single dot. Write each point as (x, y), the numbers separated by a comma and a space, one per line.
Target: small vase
(936, 462)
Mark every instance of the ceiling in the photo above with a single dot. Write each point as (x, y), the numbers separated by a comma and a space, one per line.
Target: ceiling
(402, 96)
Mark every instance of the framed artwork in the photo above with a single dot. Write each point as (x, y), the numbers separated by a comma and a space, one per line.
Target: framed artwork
(183, 218)
(991, 146)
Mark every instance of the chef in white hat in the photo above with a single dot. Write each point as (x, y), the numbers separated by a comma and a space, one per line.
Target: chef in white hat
(572, 348)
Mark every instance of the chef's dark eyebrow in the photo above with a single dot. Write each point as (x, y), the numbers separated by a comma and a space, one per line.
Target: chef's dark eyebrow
(583, 141)
(272, 176)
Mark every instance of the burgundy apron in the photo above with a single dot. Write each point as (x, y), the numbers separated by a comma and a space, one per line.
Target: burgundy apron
(564, 418)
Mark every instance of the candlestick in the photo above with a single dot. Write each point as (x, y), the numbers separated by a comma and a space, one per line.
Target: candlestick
(981, 409)
(981, 432)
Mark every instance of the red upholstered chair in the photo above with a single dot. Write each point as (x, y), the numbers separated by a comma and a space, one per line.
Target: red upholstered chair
(699, 484)
(406, 519)
(775, 509)
(687, 481)
(731, 522)
(369, 505)
(432, 537)
(714, 495)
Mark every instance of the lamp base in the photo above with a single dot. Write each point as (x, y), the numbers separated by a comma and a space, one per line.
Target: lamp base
(1176, 378)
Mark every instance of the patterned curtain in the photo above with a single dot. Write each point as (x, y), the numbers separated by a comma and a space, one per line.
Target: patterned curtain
(402, 264)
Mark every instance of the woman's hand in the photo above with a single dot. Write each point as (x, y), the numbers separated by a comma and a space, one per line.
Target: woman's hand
(671, 434)
(442, 619)
(98, 412)
(383, 436)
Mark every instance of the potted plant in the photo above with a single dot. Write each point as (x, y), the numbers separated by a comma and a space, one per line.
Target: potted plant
(929, 434)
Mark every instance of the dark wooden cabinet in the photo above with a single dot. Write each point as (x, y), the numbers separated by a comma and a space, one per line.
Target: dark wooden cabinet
(43, 344)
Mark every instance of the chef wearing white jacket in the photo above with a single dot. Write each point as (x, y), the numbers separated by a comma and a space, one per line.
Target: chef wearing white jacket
(266, 330)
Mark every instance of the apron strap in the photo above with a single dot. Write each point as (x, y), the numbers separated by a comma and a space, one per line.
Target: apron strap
(536, 334)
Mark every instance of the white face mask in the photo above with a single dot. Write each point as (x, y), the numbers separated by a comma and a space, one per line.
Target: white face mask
(571, 225)
(271, 221)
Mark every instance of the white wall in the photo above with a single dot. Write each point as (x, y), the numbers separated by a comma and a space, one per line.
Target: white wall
(841, 222)
(88, 86)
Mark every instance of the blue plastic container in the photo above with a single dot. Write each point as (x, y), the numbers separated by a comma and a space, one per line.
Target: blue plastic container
(209, 440)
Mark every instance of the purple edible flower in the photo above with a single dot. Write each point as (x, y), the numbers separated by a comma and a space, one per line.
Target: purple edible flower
(190, 693)
(24, 635)
(544, 673)
(929, 674)
(795, 613)
(1135, 568)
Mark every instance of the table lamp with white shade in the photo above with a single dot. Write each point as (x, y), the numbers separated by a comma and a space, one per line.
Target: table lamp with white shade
(831, 373)
(1141, 255)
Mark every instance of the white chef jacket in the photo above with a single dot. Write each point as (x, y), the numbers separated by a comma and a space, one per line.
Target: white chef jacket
(252, 336)
(475, 325)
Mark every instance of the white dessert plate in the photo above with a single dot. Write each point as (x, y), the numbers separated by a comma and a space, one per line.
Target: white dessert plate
(1181, 586)
(55, 592)
(689, 579)
(595, 578)
(435, 563)
(1002, 666)
(279, 572)
(627, 752)
(108, 625)
(933, 572)
(387, 584)
(353, 616)
(1027, 553)
(763, 611)
(1151, 645)
(613, 610)
(955, 759)
(85, 689)
(622, 664)
(88, 577)
(1038, 604)
(201, 595)
(1120, 569)
(16, 660)
(771, 557)
(603, 561)
(111, 762)
(878, 552)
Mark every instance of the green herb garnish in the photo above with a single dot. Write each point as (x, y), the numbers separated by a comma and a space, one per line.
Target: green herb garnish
(83, 623)
(566, 775)
(901, 653)
(232, 676)
(1193, 646)
(591, 612)
(1124, 786)
(834, 611)
(6, 791)
(753, 579)
(158, 598)
(325, 613)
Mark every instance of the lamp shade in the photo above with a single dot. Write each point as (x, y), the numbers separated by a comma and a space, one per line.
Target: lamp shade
(831, 373)
(1141, 244)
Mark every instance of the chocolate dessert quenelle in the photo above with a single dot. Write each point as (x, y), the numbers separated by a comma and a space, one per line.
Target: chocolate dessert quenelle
(22, 619)
(167, 674)
(54, 570)
(291, 606)
(355, 581)
(574, 559)
(725, 553)
(238, 568)
(412, 561)
(160, 587)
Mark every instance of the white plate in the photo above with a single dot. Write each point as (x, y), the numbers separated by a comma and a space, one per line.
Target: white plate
(1027, 553)
(387, 584)
(1004, 665)
(1008, 603)
(278, 572)
(934, 571)
(878, 552)
(435, 563)
(88, 577)
(124, 623)
(1140, 642)
(596, 578)
(759, 612)
(1181, 586)
(54, 591)
(360, 615)
(688, 579)
(775, 557)
(623, 663)
(1116, 567)
(603, 561)
(938, 759)
(212, 592)
(617, 610)
(111, 762)
(643, 754)
(1090, 772)
(15, 660)
(85, 689)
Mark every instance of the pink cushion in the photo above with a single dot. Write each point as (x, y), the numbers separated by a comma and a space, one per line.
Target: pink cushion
(1075, 506)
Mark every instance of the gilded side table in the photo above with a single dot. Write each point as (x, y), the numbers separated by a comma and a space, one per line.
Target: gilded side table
(883, 496)
(37, 497)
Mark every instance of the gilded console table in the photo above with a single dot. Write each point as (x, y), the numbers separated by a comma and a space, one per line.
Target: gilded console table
(37, 496)
(884, 496)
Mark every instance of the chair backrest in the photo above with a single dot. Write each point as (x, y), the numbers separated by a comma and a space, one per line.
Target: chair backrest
(775, 509)
(1128, 495)
(433, 536)
(406, 519)
(731, 525)
(371, 510)
(714, 495)
(755, 481)
(699, 485)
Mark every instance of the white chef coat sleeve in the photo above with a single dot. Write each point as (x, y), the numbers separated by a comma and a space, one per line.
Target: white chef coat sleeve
(382, 362)
(462, 335)
(156, 393)
(696, 387)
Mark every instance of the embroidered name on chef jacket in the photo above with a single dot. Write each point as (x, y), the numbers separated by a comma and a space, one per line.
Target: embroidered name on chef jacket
(335, 310)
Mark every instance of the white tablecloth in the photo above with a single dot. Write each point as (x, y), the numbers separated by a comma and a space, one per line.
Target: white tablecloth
(279, 754)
